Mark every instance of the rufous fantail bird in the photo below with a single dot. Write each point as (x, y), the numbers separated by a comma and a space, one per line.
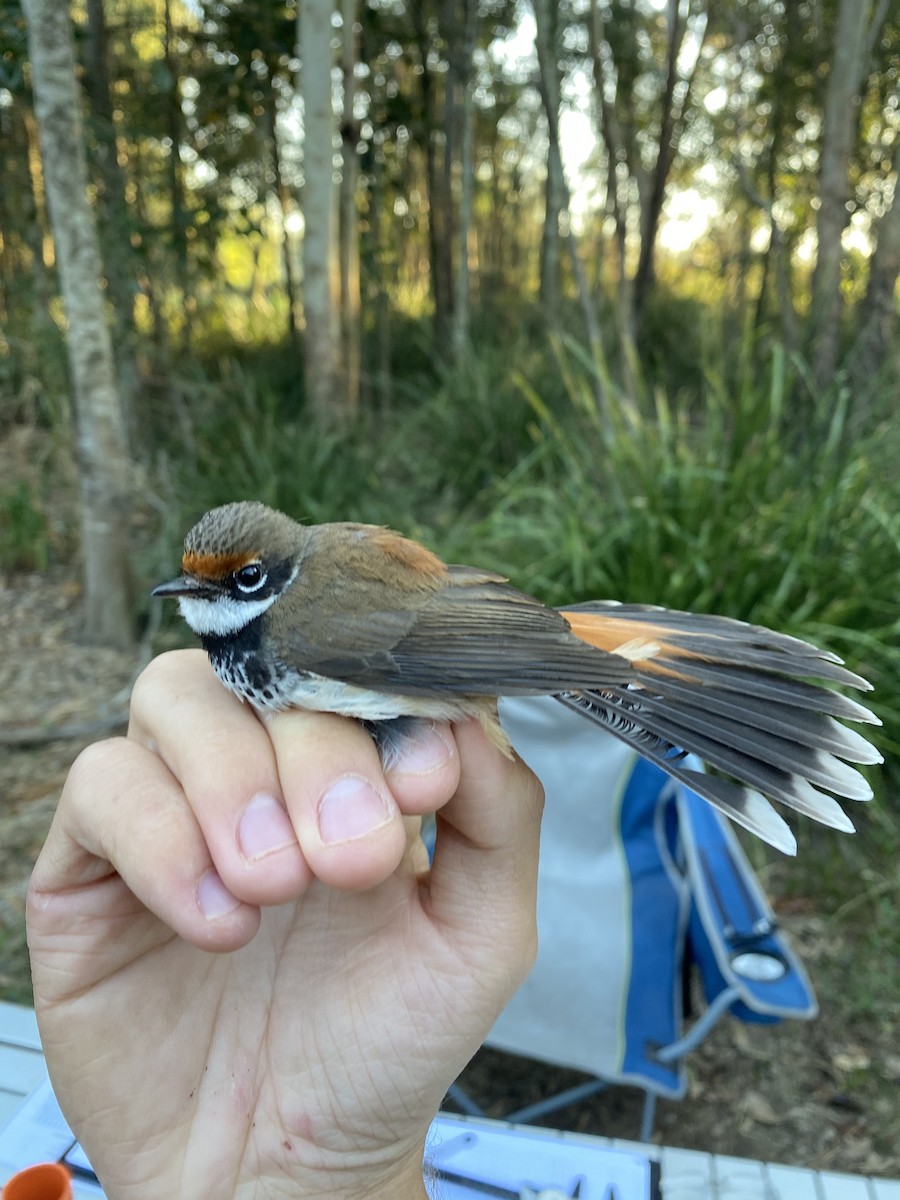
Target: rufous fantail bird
(357, 620)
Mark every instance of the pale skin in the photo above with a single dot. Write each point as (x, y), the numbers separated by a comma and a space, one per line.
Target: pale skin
(273, 1004)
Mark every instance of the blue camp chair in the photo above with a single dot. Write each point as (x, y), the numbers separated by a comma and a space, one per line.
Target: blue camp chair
(639, 878)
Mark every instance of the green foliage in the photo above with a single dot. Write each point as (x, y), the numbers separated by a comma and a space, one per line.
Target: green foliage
(34, 376)
(24, 533)
(15, 970)
(671, 339)
(719, 506)
(451, 433)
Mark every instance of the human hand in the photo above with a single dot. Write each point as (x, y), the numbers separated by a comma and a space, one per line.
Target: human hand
(245, 984)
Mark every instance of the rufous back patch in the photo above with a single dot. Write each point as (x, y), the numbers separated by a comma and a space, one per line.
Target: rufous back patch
(408, 554)
(215, 566)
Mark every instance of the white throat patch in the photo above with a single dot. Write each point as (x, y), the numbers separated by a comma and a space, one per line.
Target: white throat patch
(221, 617)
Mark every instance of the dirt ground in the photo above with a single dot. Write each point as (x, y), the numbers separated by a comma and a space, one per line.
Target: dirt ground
(820, 1094)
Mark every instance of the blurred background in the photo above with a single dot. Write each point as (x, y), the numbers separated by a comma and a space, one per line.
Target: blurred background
(599, 294)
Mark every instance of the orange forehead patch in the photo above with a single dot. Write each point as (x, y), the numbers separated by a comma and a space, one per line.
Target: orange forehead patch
(215, 566)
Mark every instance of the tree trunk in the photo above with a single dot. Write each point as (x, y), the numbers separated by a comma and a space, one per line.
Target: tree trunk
(115, 224)
(150, 274)
(383, 331)
(24, 205)
(877, 317)
(104, 466)
(176, 197)
(544, 15)
(838, 129)
(551, 237)
(283, 196)
(351, 335)
(320, 342)
(611, 135)
(777, 256)
(284, 207)
(462, 306)
(440, 215)
(616, 200)
(665, 152)
(671, 126)
(619, 130)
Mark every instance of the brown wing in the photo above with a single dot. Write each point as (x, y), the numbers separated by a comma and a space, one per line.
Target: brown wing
(378, 611)
(479, 636)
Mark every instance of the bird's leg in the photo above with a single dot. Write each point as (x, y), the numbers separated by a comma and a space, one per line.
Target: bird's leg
(390, 736)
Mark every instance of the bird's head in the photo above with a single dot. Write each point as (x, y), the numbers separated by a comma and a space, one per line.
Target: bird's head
(237, 561)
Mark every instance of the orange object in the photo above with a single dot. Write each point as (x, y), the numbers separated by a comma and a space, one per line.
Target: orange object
(45, 1181)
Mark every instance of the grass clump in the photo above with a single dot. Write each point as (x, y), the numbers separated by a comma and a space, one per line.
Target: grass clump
(24, 530)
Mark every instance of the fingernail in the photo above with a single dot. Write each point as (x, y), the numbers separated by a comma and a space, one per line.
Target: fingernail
(214, 898)
(351, 808)
(264, 827)
(422, 751)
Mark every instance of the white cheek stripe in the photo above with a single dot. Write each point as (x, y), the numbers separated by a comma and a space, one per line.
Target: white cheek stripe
(222, 617)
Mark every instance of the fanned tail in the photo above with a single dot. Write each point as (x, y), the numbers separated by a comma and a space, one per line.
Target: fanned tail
(742, 699)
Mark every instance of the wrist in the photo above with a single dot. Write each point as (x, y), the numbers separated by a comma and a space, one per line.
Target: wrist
(396, 1180)
(403, 1183)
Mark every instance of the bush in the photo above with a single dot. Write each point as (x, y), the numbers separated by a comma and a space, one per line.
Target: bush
(24, 532)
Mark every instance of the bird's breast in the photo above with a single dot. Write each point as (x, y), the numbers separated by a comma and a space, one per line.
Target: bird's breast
(239, 663)
(271, 685)
(321, 694)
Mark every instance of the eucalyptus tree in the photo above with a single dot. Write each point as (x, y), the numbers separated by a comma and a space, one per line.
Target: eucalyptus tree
(104, 467)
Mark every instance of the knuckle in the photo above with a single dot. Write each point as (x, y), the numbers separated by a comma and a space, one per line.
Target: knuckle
(163, 678)
(536, 793)
(95, 759)
(148, 683)
(531, 788)
(522, 947)
(93, 765)
(529, 947)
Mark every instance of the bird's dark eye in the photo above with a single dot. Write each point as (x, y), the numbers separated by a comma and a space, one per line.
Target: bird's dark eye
(250, 578)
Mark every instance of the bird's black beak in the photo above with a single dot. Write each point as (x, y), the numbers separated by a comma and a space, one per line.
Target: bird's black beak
(186, 585)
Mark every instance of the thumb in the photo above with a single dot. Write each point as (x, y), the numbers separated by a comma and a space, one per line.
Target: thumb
(483, 883)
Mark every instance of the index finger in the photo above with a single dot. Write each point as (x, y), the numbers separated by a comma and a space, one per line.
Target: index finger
(289, 797)
(224, 760)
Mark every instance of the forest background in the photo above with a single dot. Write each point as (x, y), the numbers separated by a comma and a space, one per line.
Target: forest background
(602, 295)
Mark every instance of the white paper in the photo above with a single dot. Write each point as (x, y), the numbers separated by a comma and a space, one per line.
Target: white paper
(486, 1159)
